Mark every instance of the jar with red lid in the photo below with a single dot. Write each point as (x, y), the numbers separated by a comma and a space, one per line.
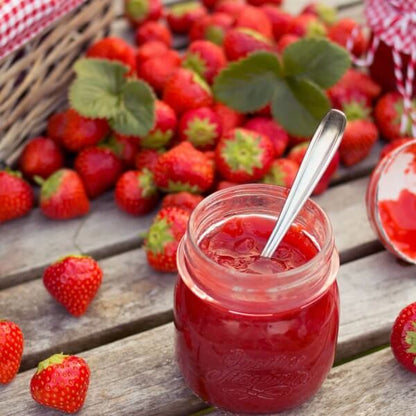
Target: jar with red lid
(255, 335)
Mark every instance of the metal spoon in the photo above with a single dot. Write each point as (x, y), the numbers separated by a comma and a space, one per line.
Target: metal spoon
(320, 152)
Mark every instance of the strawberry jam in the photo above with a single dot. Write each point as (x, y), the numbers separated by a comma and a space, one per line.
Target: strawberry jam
(255, 335)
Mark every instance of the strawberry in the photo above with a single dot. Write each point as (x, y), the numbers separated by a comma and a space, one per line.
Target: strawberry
(73, 281)
(158, 70)
(255, 19)
(81, 132)
(181, 17)
(186, 90)
(297, 154)
(56, 126)
(61, 382)
(231, 7)
(183, 168)
(389, 147)
(355, 79)
(164, 128)
(326, 14)
(243, 155)
(211, 27)
(388, 114)
(239, 43)
(140, 11)
(63, 196)
(210, 155)
(342, 30)
(147, 159)
(114, 49)
(99, 169)
(270, 128)
(224, 185)
(153, 31)
(230, 118)
(259, 3)
(124, 147)
(285, 41)
(136, 192)
(161, 243)
(205, 58)
(282, 172)
(11, 350)
(403, 337)
(150, 49)
(279, 19)
(183, 200)
(40, 157)
(307, 25)
(16, 196)
(201, 127)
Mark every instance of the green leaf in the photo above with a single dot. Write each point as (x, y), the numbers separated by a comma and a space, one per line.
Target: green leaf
(248, 84)
(298, 105)
(136, 115)
(318, 60)
(95, 91)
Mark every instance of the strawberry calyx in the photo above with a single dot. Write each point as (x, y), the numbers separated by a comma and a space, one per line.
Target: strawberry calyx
(52, 184)
(326, 13)
(275, 176)
(180, 9)
(146, 182)
(156, 139)
(215, 34)
(256, 35)
(177, 186)
(409, 333)
(15, 173)
(201, 132)
(159, 235)
(356, 110)
(200, 81)
(111, 143)
(194, 62)
(52, 360)
(137, 9)
(315, 29)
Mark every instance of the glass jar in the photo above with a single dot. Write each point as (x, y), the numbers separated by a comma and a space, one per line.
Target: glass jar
(255, 343)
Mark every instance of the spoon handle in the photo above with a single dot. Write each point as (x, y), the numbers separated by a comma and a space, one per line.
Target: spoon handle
(321, 150)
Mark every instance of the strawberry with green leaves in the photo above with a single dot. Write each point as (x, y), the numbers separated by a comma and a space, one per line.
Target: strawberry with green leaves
(140, 11)
(161, 243)
(184, 168)
(63, 196)
(147, 159)
(153, 31)
(279, 19)
(73, 281)
(183, 200)
(230, 119)
(326, 14)
(205, 58)
(181, 17)
(136, 192)
(16, 196)
(282, 172)
(201, 127)
(186, 90)
(243, 155)
(212, 27)
(256, 19)
(341, 31)
(11, 350)
(61, 382)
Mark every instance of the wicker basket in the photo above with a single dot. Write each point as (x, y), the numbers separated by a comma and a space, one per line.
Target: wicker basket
(33, 79)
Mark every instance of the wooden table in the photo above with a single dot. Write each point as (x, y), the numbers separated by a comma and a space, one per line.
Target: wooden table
(127, 334)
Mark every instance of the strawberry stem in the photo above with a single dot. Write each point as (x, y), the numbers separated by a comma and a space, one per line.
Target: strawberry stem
(52, 360)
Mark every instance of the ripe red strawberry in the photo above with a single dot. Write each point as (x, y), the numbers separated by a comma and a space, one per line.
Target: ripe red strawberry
(231, 7)
(326, 14)
(158, 70)
(201, 127)
(388, 113)
(341, 31)
(114, 49)
(56, 126)
(124, 147)
(211, 27)
(282, 172)
(186, 90)
(279, 19)
(11, 350)
(16, 196)
(183, 168)
(297, 154)
(150, 49)
(183, 200)
(285, 41)
(307, 25)
(230, 119)
(255, 19)
(81, 132)
(73, 281)
(40, 157)
(136, 192)
(225, 184)
(243, 155)
(140, 11)
(153, 31)
(273, 130)
(403, 337)
(61, 382)
(164, 128)
(147, 159)
(63, 196)
(181, 17)
(205, 58)
(161, 243)
(389, 147)
(99, 169)
(239, 43)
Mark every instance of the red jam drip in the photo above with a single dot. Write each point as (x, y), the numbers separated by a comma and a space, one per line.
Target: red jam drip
(237, 244)
(398, 218)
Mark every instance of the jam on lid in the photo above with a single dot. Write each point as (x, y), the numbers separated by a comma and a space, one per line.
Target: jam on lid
(391, 201)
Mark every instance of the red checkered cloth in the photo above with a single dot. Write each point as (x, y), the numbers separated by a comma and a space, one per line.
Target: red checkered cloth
(21, 20)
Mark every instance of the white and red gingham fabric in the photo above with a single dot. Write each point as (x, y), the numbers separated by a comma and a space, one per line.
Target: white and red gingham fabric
(21, 20)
